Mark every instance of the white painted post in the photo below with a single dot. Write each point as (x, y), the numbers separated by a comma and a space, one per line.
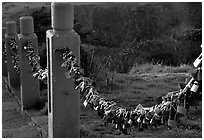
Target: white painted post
(30, 90)
(13, 77)
(63, 99)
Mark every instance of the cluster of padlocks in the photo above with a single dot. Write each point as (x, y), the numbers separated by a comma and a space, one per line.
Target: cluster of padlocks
(14, 55)
(34, 62)
(167, 109)
(194, 89)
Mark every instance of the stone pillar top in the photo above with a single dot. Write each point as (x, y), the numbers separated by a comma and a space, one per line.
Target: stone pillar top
(62, 16)
(26, 25)
(11, 27)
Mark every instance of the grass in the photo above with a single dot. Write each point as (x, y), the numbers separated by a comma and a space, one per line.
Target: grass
(158, 68)
(139, 89)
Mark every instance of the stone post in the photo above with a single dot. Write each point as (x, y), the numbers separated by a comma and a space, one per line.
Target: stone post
(30, 90)
(13, 77)
(63, 99)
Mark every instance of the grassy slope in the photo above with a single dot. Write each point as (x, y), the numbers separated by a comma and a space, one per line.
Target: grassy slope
(139, 88)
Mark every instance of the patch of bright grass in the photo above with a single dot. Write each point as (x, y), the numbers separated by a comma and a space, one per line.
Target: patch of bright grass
(158, 68)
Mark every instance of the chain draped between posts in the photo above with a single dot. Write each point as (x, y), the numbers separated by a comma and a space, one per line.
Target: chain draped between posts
(166, 108)
(4, 52)
(14, 55)
(33, 60)
(169, 107)
(39, 73)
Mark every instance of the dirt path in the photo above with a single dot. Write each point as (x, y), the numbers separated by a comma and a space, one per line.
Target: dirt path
(15, 124)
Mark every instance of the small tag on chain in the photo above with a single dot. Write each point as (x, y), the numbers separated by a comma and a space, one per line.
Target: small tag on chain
(85, 103)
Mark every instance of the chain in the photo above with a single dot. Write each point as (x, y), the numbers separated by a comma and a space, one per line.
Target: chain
(39, 73)
(109, 110)
(14, 55)
(4, 52)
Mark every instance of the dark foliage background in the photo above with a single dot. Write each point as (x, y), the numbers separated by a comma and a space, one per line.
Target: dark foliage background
(116, 36)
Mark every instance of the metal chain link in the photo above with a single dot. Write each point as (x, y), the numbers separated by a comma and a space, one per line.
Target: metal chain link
(4, 52)
(39, 73)
(14, 55)
(108, 110)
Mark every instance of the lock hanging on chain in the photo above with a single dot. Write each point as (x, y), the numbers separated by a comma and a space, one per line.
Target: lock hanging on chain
(181, 108)
(199, 74)
(195, 87)
(172, 117)
(198, 61)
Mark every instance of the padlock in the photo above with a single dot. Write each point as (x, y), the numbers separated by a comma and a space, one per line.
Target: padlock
(138, 119)
(38, 68)
(85, 103)
(188, 85)
(96, 108)
(142, 111)
(65, 64)
(31, 53)
(140, 126)
(92, 99)
(44, 77)
(144, 121)
(36, 74)
(116, 126)
(151, 121)
(162, 120)
(81, 85)
(157, 117)
(123, 126)
(149, 115)
(169, 94)
(157, 110)
(181, 110)
(172, 123)
(167, 104)
(95, 102)
(198, 61)
(112, 121)
(195, 87)
(130, 122)
(139, 107)
(107, 112)
(199, 74)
